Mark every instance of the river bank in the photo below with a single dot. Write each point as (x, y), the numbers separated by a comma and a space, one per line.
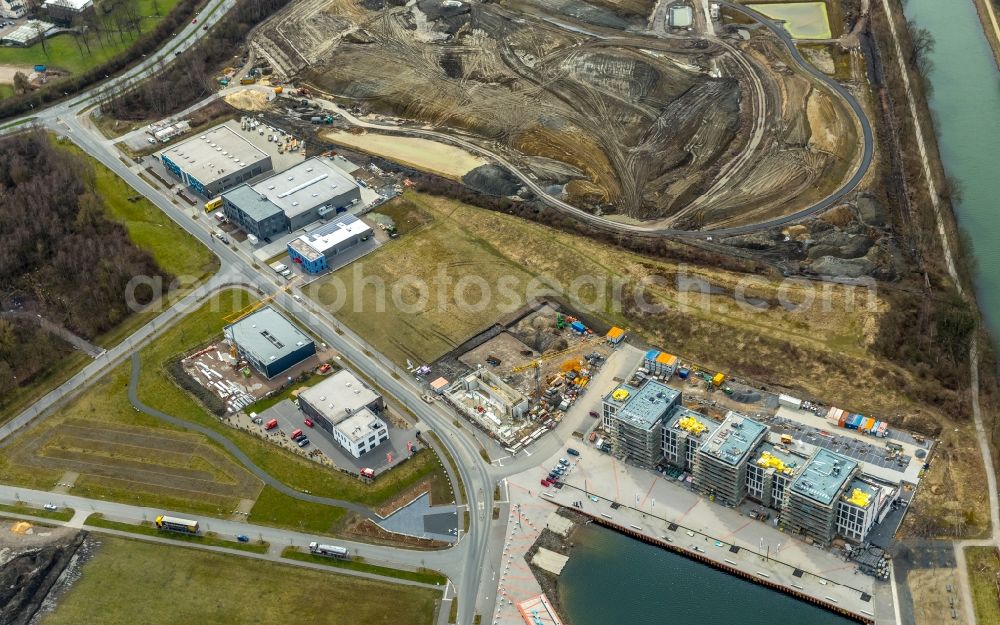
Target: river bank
(991, 26)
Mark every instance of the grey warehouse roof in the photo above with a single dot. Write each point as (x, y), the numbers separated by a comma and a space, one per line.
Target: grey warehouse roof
(256, 206)
(311, 183)
(267, 335)
(824, 476)
(214, 154)
(734, 439)
(646, 407)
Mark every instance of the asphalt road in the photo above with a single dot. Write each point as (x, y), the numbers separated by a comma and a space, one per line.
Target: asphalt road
(468, 564)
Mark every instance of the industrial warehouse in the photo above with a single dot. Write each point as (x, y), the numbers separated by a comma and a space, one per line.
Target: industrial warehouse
(818, 494)
(269, 342)
(295, 198)
(314, 251)
(215, 161)
(348, 411)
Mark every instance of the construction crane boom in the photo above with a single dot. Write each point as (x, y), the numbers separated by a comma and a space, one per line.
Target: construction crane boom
(537, 362)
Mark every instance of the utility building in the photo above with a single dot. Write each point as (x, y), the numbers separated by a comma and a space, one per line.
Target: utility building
(215, 161)
(720, 465)
(637, 421)
(314, 250)
(269, 342)
(347, 411)
(811, 502)
(295, 198)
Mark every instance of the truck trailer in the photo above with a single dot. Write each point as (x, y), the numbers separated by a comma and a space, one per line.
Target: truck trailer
(176, 524)
(332, 551)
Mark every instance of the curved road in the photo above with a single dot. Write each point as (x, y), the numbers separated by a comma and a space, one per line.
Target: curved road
(233, 449)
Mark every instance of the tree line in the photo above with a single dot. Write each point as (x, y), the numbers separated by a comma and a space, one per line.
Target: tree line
(61, 257)
(191, 76)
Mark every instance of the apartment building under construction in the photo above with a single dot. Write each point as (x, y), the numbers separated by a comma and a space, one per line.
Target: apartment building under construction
(811, 502)
(635, 418)
(720, 464)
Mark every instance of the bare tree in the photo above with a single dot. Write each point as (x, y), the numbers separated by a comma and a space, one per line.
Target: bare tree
(21, 84)
(921, 46)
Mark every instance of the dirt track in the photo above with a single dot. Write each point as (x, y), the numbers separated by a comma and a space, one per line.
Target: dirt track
(654, 123)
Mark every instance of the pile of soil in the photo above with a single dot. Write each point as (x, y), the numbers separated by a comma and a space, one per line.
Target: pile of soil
(492, 180)
(27, 575)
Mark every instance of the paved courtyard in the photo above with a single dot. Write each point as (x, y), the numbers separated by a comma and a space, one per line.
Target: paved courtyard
(420, 518)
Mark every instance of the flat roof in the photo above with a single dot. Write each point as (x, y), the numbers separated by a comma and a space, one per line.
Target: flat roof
(256, 206)
(649, 405)
(267, 334)
(824, 475)
(214, 154)
(779, 458)
(75, 5)
(735, 438)
(339, 396)
(701, 427)
(868, 493)
(360, 425)
(311, 183)
(29, 31)
(629, 390)
(316, 243)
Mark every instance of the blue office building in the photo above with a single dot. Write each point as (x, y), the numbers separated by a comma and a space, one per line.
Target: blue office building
(269, 342)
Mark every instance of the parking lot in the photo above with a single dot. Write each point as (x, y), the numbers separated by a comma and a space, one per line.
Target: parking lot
(290, 418)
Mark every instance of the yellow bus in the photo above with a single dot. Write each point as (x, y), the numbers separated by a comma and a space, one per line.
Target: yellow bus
(211, 205)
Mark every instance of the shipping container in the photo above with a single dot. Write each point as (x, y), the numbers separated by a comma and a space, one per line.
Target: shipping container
(790, 402)
(854, 421)
(683, 373)
(834, 417)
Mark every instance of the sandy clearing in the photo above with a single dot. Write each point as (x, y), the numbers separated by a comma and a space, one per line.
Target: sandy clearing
(247, 100)
(7, 72)
(438, 158)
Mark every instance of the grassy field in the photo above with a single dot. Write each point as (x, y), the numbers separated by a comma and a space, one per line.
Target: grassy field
(426, 576)
(984, 575)
(440, 250)
(127, 582)
(63, 53)
(62, 514)
(144, 461)
(278, 509)
(148, 529)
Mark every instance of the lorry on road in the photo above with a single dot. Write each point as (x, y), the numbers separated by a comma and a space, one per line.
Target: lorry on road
(332, 551)
(176, 524)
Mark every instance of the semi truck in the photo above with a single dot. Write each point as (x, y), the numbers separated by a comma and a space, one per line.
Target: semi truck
(176, 524)
(332, 551)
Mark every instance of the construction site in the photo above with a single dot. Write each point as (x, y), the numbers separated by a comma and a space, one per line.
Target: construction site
(609, 105)
(517, 379)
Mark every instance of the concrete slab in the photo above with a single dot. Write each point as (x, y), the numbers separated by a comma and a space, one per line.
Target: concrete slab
(419, 518)
(549, 560)
(558, 524)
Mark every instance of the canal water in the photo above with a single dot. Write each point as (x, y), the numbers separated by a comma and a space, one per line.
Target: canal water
(612, 579)
(966, 106)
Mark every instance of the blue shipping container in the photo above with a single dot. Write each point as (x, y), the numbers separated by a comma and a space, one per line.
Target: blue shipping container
(682, 373)
(578, 326)
(40, 68)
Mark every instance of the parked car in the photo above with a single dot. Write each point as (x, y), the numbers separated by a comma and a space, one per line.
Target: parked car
(303, 441)
(51, 507)
(296, 434)
(309, 423)
(564, 462)
(572, 452)
(546, 483)
(594, 414)
(243, 538)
